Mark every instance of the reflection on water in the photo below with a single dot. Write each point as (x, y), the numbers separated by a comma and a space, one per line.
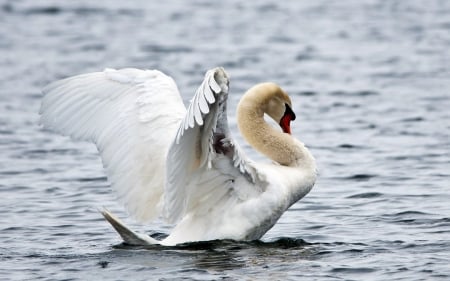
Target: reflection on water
(225, 255)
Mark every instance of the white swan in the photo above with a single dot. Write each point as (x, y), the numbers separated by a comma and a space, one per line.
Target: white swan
(182, 164)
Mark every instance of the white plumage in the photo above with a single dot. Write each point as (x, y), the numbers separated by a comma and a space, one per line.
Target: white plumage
(181, 164)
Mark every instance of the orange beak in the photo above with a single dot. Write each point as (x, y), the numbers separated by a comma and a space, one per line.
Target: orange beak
(285, 122)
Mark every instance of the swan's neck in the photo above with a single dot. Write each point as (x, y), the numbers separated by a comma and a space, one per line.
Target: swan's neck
(278, 146)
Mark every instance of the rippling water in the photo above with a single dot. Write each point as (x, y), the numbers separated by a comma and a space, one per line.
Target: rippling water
(370, 83)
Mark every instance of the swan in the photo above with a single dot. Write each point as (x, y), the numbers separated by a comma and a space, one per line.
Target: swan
(181, 164)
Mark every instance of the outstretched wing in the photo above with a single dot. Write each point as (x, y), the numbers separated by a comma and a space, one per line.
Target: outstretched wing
(132, 116)
(203, 162)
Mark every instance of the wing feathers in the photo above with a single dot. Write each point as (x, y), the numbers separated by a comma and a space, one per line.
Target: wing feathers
(198, 175)
(149, 142)
(123, 112)
(199, 104)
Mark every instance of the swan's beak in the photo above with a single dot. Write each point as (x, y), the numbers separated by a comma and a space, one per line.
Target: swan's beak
(285, 122)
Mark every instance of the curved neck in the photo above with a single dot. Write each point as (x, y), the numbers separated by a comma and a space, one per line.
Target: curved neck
(278, 146)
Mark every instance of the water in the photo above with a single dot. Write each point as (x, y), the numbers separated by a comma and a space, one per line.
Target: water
(370, 84)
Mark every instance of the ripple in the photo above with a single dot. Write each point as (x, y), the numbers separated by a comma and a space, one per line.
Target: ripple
(351, 146)
(413, 119)
(49, 10)
(353, 270)
(362, 93)
(308, 93)
(360, 177)
(279, 243)
(93, 47)
(366, 195)
(411, 213)
(92, 179)
(6, 132)
(284, 243)
(153, 48)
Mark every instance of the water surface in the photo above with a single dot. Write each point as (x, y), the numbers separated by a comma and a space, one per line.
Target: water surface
(370, 84)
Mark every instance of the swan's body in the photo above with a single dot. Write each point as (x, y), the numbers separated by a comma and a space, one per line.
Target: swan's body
(182, 164)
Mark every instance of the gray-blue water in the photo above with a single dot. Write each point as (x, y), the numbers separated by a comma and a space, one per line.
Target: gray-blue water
(370, 84)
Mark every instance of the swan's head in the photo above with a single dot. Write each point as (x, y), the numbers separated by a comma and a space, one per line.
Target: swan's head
(278, 106)
(275, 102)
(268, 99)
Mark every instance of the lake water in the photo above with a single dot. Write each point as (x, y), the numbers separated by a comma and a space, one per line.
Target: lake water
(370, 84)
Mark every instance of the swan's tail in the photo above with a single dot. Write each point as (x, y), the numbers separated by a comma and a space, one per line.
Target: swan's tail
(128, 235)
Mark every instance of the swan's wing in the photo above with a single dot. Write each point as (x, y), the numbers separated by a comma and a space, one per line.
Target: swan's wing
(132, 116)
(204, 162)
